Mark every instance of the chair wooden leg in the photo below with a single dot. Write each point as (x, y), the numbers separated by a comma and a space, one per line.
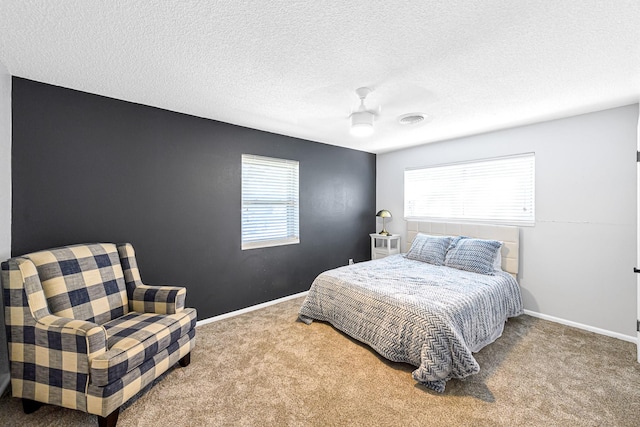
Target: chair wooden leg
(30, 406)
(110, 420)
(185, 360)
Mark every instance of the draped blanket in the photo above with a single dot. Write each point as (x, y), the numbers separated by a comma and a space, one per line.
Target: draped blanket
(432, 317)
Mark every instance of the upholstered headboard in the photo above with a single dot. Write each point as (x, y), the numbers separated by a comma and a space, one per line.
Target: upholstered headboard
(509, 235)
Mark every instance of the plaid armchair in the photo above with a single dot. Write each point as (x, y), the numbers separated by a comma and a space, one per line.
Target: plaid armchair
(85, 333)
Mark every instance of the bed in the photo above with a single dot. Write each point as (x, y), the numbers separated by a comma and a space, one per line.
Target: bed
(416, 308)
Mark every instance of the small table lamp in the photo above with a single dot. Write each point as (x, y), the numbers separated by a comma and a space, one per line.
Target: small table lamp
(384, 214)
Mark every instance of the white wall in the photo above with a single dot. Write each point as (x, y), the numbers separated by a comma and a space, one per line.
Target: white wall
(5, 202)
(577, 261)
(5, 163)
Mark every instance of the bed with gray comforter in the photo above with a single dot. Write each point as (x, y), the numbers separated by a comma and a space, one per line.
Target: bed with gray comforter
(432, 317)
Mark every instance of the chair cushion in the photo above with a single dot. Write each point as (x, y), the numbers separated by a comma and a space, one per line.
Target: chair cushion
(136, 337)
(83, 282)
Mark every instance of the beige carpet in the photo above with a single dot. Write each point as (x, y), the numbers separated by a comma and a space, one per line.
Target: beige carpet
(266, 369)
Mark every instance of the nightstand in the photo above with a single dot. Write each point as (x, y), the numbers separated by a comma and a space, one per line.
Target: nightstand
(382, 246)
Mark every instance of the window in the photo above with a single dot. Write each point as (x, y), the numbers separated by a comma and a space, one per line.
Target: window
(498, 190)
(270, 202)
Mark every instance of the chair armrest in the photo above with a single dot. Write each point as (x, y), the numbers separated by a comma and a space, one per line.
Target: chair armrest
(59, 352)
(158, 299)
(73, 336)
(144, 298)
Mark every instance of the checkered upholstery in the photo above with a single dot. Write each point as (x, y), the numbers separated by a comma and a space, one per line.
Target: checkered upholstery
(148, 299)
(104, 400)
(134, 338)
(75, 336)
(83, 282)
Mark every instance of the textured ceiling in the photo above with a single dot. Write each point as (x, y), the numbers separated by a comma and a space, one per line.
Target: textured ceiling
(292, 67)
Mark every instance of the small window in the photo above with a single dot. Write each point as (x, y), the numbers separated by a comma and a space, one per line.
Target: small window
(270, 202)
(500, 190)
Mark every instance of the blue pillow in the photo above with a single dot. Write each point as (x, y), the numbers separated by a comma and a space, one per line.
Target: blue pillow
(475, 255)
(430, 249)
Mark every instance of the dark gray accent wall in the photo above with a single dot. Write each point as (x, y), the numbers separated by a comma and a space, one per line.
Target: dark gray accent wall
(92, 169)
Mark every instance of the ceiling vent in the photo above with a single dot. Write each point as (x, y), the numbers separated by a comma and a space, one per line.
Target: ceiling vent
(412, 119)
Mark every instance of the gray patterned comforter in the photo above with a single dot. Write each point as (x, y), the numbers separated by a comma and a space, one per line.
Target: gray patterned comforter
(408, 311)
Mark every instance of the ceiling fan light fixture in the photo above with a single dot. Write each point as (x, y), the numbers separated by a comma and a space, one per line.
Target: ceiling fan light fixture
(362, 120)
(361, 123)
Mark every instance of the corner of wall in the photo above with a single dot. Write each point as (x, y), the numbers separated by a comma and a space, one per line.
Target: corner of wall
(5, 205)
(5, 162)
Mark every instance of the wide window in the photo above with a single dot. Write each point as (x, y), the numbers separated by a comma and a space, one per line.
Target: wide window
(499, 190)
(270, 202)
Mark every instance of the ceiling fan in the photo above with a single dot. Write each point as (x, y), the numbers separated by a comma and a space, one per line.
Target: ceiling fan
(363, 119)
(383, 109)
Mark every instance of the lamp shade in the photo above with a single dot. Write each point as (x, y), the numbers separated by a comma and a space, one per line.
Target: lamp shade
(384, 214)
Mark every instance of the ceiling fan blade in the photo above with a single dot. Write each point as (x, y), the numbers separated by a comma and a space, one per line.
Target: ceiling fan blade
(330, 107)
(402, 98)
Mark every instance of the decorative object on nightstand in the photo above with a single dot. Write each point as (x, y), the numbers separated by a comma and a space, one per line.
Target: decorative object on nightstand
(384, 245)
(384, 214)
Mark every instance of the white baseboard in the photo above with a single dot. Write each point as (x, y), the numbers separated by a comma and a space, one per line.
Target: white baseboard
(248, 309)
(582, 326)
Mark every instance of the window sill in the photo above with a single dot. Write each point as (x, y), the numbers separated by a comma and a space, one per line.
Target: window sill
(269, 243)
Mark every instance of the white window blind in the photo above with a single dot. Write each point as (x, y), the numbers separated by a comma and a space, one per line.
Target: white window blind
(500, 190)
(270, 202)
